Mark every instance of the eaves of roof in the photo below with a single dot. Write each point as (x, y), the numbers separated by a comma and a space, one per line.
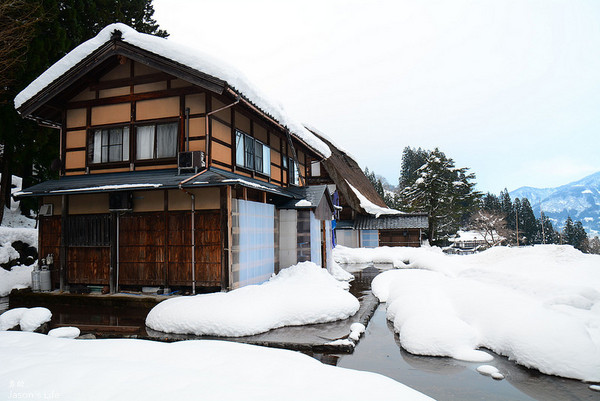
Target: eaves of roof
(145, 180)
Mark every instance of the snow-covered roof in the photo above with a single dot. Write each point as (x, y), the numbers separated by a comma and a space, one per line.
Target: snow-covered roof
(370, 207)
(189, 57)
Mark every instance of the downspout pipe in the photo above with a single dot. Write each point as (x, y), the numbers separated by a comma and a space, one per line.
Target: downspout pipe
(206, 127)
(187, 129)
(193, 224)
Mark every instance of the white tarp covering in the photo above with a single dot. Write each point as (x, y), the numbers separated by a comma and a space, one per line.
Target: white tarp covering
(253, 250)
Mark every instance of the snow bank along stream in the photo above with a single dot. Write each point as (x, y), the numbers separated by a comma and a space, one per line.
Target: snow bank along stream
(302, 294)
(539, 306)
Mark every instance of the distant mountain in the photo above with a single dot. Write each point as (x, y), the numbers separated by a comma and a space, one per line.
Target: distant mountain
(579, 199)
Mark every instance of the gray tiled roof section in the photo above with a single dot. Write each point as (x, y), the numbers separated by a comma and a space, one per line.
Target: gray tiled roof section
(391, 222)
(314, 194)
(143, 180)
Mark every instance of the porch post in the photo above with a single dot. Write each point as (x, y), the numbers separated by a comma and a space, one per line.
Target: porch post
(63, 242)
(113, 251)
(225, 208)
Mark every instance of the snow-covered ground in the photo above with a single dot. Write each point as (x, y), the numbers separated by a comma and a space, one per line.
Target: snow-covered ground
(302, 294)
(35, 366)
(539, 306)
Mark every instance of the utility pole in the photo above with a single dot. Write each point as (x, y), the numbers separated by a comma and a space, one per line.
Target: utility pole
(517, 224)
(542, 222)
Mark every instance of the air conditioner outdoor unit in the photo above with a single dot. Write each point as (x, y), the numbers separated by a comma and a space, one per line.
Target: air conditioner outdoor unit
(120, 201)
(187, 161)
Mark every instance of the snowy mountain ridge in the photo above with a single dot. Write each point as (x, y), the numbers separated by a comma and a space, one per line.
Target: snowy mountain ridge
(579, 199)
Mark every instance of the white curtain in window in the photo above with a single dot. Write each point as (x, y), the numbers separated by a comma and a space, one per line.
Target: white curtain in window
(239, 148)
(125, 143)
(97, 158)
(166, 140)
(258, 156)
(145, 142)
(266, 160)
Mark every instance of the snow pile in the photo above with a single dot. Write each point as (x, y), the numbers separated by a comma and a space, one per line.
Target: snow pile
(185, 55)
(489, 370)
(303, 203)
(8, 235)
(301, 294)
(396, 256)
(338, 273)
(65, 332)
(29, 319)
(356, 329)
(66, 369)
(369, 206)
(539, 306)
(18, 277)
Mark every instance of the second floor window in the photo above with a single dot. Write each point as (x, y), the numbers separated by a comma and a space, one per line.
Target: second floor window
(252, 154)
(157, 141)
(109, 145)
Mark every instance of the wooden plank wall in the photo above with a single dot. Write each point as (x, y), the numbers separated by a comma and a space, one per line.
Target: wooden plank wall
(155, 250)
(50, 243)
(397, 238)
(88, 265)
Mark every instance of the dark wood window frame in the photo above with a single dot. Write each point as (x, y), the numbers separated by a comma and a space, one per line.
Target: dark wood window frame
(156, 124)
(249, 154)
(106, 129)
(131, 156)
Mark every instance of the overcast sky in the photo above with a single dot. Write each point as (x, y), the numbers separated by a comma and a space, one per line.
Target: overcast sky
(510, 89)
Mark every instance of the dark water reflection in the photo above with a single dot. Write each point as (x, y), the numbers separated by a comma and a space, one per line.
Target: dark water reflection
(379, 351)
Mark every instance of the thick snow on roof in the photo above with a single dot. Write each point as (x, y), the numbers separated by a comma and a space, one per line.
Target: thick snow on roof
(328, 138)
(185, 55)
(370, 207)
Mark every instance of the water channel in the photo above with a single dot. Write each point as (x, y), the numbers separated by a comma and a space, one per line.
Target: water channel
(379, 351)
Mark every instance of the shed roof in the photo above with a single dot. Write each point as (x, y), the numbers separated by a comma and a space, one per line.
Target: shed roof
(121, 39)
(404, 221)
(143, 180)
(313, 194)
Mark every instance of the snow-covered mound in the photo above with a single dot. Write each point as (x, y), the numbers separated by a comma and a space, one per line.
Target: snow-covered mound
(302, 294)
(18, 277)
(28, 318)
(539, 306)
(65, 332)
(67, 369)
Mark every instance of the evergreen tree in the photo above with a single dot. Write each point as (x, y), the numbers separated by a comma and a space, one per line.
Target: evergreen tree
(62, 26)
(377, 184)
(528, 225)
(507, 209)
(568, 232)
(548, 235)
(580, 238)
(595, 246)
(412, 160)
(491, 204)
(444, 192)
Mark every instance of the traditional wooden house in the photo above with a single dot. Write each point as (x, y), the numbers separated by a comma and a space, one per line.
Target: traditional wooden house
(363, 218)
(175, 171)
